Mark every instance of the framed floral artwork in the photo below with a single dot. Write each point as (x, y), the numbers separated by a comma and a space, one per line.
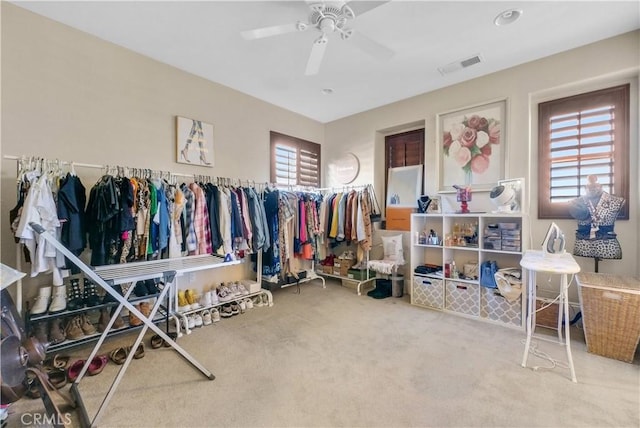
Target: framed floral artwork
(472, 145)
(194, 142)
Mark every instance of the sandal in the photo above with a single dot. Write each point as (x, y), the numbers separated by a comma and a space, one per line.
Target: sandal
(156, 341)
(58, 377)
(74, 370)
(57, 362)
(172, 336)
(119, 355)
(139, 352)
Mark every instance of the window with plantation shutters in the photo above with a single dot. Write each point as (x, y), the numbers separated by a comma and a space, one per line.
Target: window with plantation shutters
(404, 149)
(294, 162)
(582, 135)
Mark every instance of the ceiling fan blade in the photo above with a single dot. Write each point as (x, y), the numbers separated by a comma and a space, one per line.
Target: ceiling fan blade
(370, 46)
(359, 7)
(260, 33)
(315, 58)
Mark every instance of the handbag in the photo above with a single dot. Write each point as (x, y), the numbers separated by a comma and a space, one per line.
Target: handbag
(487, 271)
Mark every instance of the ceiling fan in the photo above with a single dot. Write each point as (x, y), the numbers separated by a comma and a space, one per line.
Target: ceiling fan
(328, 17)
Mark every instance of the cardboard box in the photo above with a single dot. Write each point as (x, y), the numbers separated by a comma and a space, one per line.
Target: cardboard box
(399, 218)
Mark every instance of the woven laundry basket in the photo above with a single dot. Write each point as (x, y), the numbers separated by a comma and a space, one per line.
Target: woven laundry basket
(611, 311)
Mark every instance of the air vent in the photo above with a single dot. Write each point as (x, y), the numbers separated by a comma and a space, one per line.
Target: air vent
(459, 65)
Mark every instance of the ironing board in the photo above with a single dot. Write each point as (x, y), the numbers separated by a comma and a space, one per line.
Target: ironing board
(106, 277)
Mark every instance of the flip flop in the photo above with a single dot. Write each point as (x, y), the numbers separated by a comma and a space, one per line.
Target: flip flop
(119, 355)
(56, 362)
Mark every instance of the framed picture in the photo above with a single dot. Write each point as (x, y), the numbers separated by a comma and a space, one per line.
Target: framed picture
(471, 146)
(435, 207)
(514, 192)
(194, 142)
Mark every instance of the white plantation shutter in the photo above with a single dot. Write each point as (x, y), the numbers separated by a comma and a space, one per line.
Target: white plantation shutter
(294, 161)
(581, 136)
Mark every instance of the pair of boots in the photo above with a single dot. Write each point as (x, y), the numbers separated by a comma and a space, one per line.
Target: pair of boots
(51, 298)
(78, 298)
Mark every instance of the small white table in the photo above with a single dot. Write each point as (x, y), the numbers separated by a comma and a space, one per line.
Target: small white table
(561, 264)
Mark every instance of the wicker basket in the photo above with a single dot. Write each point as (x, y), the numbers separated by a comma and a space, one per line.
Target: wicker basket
(611, 311)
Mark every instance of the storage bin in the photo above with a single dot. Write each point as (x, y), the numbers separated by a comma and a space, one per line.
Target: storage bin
(345, 265)
(610, 307)
(428, 291)
(360, 274)
(327, 269)
(495, 307)
(462, 297)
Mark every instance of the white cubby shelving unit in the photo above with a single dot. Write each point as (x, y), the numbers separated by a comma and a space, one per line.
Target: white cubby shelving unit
(466, 297)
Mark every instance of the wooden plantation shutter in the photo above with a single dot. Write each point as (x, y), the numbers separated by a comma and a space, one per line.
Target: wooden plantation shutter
(294, 161)
(405, 149)
(579, 136)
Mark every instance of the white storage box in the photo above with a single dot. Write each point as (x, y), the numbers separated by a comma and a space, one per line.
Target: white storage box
(462, 297)
(251, 285)
(428, 291)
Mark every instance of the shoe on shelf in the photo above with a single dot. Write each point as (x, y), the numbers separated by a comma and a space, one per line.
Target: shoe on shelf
(86, 326)
(59, 299)
(183, 304)
(41, 303)
(197, 320)
(243, 306)
(40, 332)
(145, 308)
(192, 298)
(75, 299)
(140, 289)
(119, 323)
(134, 321)
(214, 296)
(248, 303)
(91, 297)
(243, 290)
(191, 322)
(235, 308)
(224, 294)
(206, 318)
(152, 287)
(215, 315)
(226, 311)
(205, 299)
(73, 330)
(56, 332)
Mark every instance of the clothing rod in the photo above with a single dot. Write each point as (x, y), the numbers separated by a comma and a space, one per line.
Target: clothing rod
(342, 187)
(96, 166)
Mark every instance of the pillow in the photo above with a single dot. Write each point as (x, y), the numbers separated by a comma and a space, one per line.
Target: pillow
(392, 246)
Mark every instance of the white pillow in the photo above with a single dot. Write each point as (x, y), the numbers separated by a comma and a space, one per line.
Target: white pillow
(392, 246)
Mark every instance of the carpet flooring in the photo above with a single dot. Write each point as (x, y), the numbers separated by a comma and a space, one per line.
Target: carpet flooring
(327, 357)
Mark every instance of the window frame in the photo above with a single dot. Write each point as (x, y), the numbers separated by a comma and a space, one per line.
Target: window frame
(298, 144)
(619, 96)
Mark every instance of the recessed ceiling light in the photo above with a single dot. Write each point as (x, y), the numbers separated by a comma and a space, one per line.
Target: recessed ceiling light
(327, 91)
(508, 17)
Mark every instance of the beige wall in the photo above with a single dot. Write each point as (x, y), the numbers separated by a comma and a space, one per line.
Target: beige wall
(598, 65)
(71, 96)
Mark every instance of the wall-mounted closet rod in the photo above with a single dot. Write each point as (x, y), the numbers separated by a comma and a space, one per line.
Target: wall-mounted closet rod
(336, 188)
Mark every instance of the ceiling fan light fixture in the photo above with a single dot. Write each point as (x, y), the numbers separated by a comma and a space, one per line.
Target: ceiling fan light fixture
(507, 17)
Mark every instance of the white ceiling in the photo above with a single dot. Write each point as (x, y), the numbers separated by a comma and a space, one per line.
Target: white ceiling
(204, 38)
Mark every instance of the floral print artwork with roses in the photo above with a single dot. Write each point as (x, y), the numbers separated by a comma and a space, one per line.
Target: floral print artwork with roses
(471, 147)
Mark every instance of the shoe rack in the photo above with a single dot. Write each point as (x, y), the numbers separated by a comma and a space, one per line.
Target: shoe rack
(449, 249)
(88, 332)
(343, 266)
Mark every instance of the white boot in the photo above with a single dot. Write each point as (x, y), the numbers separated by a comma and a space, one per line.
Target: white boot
(59, 300)
(42, 301)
